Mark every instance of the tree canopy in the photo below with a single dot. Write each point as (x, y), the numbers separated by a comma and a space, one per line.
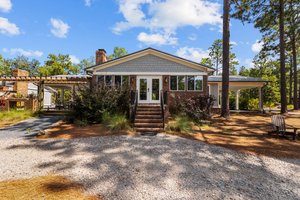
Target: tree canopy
(215, 58)
(118, 52)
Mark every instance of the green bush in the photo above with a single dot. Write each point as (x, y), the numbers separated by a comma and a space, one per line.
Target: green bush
(243, 104)
(231, 101)
(90, 104)
(197, 108)
(270, 104)
(253, 104)
(290, 106)
(115, 122)
(181, 124)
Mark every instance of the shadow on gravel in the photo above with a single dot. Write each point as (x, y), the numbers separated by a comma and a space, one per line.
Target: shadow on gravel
(29, 128)
(123, 167)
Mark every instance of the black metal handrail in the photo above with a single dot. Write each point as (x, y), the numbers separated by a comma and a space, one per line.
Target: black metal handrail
(134, 104)
(162, 104)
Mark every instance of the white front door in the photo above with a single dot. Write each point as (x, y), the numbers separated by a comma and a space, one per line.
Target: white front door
(149, 88)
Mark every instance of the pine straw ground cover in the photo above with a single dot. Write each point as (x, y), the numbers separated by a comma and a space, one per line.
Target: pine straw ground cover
(248, 133)
(45, 187)
(245, 132)
(70, 131)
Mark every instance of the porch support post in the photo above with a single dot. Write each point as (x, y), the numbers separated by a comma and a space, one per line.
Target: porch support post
(40, 96)
(73, 92)
(261, 106)
(62, 99)
(237, 100)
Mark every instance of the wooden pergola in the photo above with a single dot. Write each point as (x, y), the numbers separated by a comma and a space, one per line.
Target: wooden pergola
(41, 81)
(49, 79)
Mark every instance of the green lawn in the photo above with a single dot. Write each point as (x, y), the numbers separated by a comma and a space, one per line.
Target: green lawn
(14, 116)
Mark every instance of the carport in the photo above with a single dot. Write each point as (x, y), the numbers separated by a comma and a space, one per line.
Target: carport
(236, 84)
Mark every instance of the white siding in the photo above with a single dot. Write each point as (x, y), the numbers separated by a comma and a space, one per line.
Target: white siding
(32, 89)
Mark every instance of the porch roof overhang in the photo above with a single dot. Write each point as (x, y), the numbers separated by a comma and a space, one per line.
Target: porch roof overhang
(239, 82)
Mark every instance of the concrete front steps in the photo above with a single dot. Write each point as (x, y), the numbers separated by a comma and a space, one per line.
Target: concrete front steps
(148, 119)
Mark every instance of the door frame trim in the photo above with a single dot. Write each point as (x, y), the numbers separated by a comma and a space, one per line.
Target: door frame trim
(149, 94)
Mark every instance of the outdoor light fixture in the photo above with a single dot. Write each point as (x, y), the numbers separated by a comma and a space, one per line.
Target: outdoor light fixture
(166, 79)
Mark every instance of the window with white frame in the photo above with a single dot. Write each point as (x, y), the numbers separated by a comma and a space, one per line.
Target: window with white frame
(177, 83)
(109, 81)
(125, 80)
(100, 80)
(117, 81)
(121, 81)
(195, 83)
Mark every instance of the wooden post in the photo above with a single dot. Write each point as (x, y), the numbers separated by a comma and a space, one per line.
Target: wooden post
(73, 92)
(41, 88)
(237, 100)
(261, 106)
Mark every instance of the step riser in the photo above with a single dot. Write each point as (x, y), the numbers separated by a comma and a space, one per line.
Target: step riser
(148, 110)
(148, 121)
(147, 113)
(149, 107)
(148, 117)
(149, 129)
(160, 125)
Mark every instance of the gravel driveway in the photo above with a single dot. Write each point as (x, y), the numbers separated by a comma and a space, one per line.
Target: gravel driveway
(33, 124)
(145, 167)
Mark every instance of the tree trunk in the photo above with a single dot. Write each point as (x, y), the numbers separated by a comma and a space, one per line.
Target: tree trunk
(291, 83)
(299, 95)
(294, 53)
(225, 70)
(282, 59)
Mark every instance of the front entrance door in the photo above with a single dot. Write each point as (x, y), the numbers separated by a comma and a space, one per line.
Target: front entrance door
(149, 88)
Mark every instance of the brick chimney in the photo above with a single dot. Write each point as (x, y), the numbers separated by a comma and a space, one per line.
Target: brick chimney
(100, 56)
(20, 87)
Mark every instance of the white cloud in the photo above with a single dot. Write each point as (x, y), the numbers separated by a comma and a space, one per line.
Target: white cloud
(20, 51)
(194, 54)
(157, 39)
(249, 63)
(88, 3)
(5, 5)
(74, 59)
(8, 28)
(257, 46)
(233, 43)
(192, 37)
(59, 28)
(166, 16)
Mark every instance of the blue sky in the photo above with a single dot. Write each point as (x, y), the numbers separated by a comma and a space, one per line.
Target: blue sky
(187, 28)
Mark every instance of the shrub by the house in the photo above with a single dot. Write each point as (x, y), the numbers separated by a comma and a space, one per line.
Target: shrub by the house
(90, 104)
(115, 122)
(197, 108)
(181, 124)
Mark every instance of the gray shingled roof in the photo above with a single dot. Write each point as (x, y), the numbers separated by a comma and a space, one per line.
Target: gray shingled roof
(236, 79)
(149, 63)
(150, 48)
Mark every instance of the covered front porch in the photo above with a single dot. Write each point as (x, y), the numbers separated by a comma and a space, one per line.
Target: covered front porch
(236, 85)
